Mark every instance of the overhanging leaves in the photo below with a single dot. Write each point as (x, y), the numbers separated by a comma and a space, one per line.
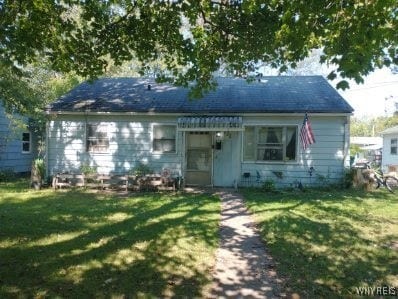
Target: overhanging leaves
(193, 39)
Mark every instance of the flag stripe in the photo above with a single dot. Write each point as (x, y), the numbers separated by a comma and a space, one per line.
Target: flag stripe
(306, 134)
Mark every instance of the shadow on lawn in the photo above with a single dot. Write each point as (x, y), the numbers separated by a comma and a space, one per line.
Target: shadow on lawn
(322, 248)
(129, 247)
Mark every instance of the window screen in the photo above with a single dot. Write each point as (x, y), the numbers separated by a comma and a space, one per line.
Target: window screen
(164, 138)
(97, 138)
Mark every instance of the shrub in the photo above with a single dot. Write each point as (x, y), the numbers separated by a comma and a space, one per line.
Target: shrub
(39, 167)
(348, 178)
(38, 173)
(269, 186)
(141, 170)
(87, 169)
(7, 175)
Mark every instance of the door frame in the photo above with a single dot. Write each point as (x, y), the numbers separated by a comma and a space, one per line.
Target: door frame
(212, 140)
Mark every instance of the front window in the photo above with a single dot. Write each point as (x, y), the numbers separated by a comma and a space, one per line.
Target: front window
(164, 138)
(393, 147)
(273, 143)
(97, 138)
(26, 142)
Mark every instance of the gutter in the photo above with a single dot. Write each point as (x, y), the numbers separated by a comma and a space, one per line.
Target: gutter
(150, 113)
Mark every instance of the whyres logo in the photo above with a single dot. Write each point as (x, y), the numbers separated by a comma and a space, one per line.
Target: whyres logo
(377, 291)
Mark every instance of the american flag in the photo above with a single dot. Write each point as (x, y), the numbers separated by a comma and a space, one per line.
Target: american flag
(306, 134)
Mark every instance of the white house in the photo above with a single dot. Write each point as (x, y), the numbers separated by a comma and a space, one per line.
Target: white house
(240, 134)
(390, 149)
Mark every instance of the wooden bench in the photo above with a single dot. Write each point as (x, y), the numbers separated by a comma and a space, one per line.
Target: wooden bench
(114, 182)
(157, 182)
(120, 182)
(67, 180)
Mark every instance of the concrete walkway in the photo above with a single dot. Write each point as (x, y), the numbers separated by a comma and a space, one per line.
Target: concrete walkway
(243, 267)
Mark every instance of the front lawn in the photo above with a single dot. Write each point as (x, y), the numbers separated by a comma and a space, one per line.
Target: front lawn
(76, 244)
(329, 243)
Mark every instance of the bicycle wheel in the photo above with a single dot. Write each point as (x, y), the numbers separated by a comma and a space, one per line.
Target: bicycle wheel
(391, 183)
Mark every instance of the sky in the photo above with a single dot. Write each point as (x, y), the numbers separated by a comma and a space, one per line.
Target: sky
(376, 97)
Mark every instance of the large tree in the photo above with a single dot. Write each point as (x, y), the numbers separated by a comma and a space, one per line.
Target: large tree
(193, 39)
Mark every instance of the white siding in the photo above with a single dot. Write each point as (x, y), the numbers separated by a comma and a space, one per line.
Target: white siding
(130, 143)
(11, 156)
(389, 161)
(327, 156)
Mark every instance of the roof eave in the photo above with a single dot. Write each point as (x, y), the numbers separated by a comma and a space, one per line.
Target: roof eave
(245, 113)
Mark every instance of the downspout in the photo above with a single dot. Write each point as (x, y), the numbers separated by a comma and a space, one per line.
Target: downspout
(183, 159)
(346, 162)
(239, 160)
(47, 148)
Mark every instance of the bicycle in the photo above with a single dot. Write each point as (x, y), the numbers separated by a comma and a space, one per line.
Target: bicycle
(377, 178)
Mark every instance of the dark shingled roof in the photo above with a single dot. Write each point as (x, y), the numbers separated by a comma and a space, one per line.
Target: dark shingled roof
(278, 94)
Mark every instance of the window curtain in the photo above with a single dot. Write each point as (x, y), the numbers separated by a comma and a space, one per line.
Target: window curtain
(272, 135)
(290, 132)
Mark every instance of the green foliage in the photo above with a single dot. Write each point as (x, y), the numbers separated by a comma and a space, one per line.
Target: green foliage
(361, 128)
(39, 167)
(141, 169)
(86, 169)
(355, 149)
(372, 127)
(348, 178)
(268, 185)
(323, 180)
(29, 90)
(7, 175)
(193, 40)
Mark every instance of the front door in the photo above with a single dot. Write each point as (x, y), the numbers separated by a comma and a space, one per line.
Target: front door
(199, 158)
(226, 161)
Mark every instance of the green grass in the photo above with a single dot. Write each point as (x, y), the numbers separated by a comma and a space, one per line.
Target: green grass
(327, 243)
(76, 244)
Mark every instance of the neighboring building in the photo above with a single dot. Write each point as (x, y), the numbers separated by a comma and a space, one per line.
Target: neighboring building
(240, 134)
(390, 149)
(371, 148)
(18, 147)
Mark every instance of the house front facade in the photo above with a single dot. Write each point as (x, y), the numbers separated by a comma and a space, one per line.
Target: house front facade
(241, 134)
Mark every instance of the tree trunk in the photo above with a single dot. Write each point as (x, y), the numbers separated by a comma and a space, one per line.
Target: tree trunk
(35, 178)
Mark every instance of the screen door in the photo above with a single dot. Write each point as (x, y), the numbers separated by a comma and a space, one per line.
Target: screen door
(199, 159)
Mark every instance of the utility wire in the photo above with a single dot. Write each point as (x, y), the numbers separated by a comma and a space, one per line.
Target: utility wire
(376, 85)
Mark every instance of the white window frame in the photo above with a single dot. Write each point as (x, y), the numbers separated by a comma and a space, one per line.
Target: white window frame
(106, 130)
(175, 139)
(26, 142)
(284, 144)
